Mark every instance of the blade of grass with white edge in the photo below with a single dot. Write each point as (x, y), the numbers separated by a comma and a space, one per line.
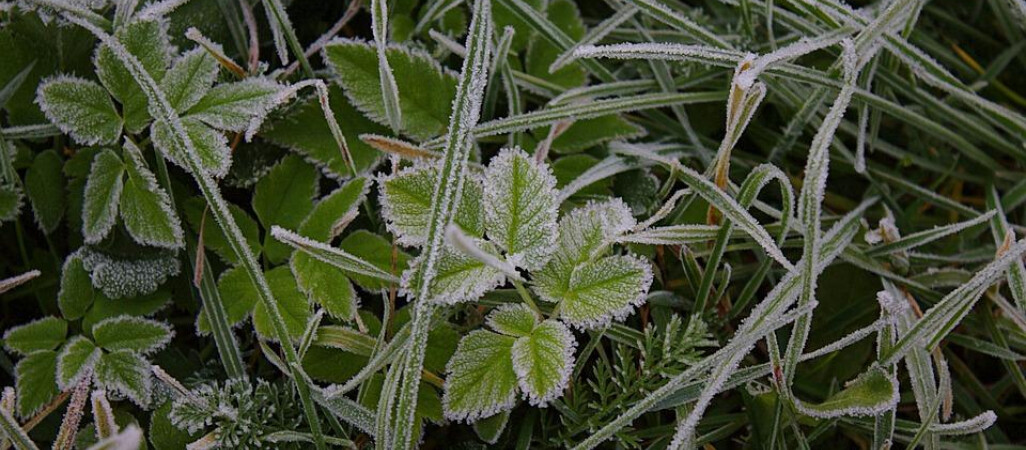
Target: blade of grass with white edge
(595, 34)
(389, 90)
(939, 320)
(925, 237)
(1002, 237)
(466, 112)
(662, 13)
(758, 323)
(10, 427)
(810, 207)
(331, 255)
(282, 28)
(161, 108)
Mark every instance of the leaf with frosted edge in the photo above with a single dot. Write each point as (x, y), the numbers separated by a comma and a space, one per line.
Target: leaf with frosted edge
(543, 361)
(146, 208)
(148, 41)
(599, 291)
(513, 319)
(871, 393)
(457, 276)
(333, 211)
(102, 195)
(120, 277)
(231, 106)
(481, 379)
(132, 333)
(211, 145)
(291, 302)
(76, 293)
(44, 186)
(406, 204)
(673, 235)
(11, 199)
(34, 381)
(389, 90)
(80, 108)
(76, 359)
(331, 255)
(325, 284)
(489, 429)
(427, 89)
(41, 334)
(127, 373)
(925, 237)
(520, 207)
(189, 79)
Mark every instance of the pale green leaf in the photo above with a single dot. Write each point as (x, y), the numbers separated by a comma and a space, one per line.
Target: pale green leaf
(76, 359)
(599, 291)
(34, 381)
(481, 380)
(80, 108)
(231, 106)
(189, 79)
(514, 319)
(41, 334)
(406, 204)
(148, 41)
(457, 276)
(427, 89)
(146, 208)
(543, 361)
(102, 195)
(520, 208)
(871, 393)
(211, 145)
(127, 373)
(132, 333)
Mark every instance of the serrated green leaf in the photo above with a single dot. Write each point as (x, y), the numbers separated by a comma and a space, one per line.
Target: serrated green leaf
(143, 305)
(213, 236)
(516, 319)
(41, 334)
(520, 208)
(76, 359)
(44, 185)
(189, 79)
(125, 372)
(80, 108)
(210, 144)
(543, 361)
(871, 393)
(323, 221)
(406, 204)
(231, 106)
(599, 291)
(132, 333)
(304, 131)
(457, 278)
(541, 53)
(102, 196)
(291, 302)
(76, 294)
(325, 284)
(481, 380)
(10, 201)
(34, 381)
(121, 275)
(148, 41)
(490, 429)
(146, 208)
(427, 90)
(284, 197)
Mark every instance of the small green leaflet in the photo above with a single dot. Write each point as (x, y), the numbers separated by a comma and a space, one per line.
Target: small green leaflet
(189, 79)
(406, 204)
(211, 145)
(132, 333)
(240, 297)
(44, 185)
(80, 108)
(871, 393)
(42, 334)
(148, 41)
(145, 208)
(458, 277)
(231, 106)
(34, 381)
(284, 197)
(76, 359)
(127, 373)
(102, 196)
(488, 368)
(427, 89)
(520, 208)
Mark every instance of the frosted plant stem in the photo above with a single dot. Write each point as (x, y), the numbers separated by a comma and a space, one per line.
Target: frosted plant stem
(278, 15)
(14, 432)
(160, 107)
(389, 90)
(466, 112)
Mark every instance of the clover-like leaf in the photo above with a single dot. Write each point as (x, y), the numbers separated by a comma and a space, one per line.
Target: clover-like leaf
(406, 204)
(873, 392)
(520, 208)
(34, 381)
(481, 379)
(102, 196)
(132, 333)
(146, 208)
(42, 334)
(125, 372)
(77, 358)
(80, 108)
(458, 277)
(543, 361)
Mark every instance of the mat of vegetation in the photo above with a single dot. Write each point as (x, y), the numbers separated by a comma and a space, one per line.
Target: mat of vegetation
(395, 224)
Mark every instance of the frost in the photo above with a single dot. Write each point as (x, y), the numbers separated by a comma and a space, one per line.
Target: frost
(75, 361)
(189, 79)
(133, 333)
(330, 255)
(231, 106)
(103, 415)
(80, 108)
(481, 381)
(597, 292)
(41, 334)
(520, 207)
(210, 145)
(406, 203)
(102, 196)
(669, 51)
(543, 361)
(465, 244)
(871, 393)
(606, 168)
(456, 277)
(146, 208)
(127, 373)
(973, 425)
(128, 276)
(595, 34)
(513, 319)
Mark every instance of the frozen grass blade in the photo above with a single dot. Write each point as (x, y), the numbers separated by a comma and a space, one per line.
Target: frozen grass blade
(331, 255)
(1003, 237)
(282, 28)
(925, 237)
(465, 114)
(595, 34)
(389, 90)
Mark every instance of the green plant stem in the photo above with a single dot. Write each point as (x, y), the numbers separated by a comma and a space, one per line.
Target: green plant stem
(526, 296)
(276, 10)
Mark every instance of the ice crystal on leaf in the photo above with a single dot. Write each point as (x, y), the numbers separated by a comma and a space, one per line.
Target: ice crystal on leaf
(520, 207)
